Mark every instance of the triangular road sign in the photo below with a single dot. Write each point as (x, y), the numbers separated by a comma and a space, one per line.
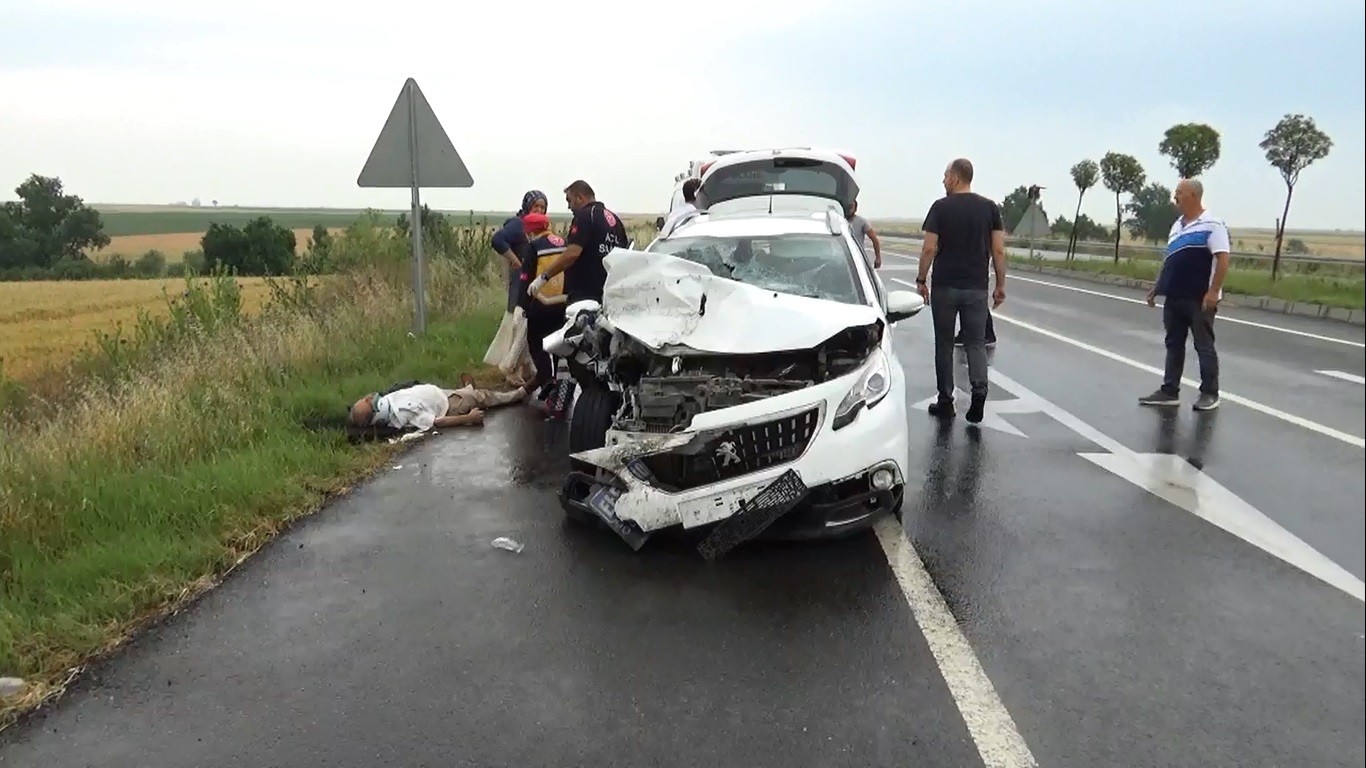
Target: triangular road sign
(1034, 223)
(391, 160)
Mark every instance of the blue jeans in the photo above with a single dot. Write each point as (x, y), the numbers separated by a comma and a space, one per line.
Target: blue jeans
(968, 306)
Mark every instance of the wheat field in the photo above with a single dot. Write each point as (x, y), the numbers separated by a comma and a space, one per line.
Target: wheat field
(175, 244)
(43, 323)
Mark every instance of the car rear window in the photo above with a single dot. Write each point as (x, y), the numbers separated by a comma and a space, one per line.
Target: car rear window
(777, 176)
(815, 265)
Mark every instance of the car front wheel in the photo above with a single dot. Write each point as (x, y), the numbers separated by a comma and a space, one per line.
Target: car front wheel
(591, 418)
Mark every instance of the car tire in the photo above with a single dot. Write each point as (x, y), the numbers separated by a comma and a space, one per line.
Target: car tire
(591, 418)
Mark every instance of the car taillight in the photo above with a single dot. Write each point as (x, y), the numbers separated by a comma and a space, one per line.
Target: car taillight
(703, 170)
(848, 160)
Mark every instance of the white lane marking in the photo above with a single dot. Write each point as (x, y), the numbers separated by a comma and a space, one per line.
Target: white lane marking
(1290, 418)
(1222, 318)
(1352, 377)
(998, 740)
(1173, 479)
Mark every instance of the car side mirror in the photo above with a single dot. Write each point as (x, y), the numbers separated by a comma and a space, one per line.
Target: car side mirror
(659, 223)
(903, 304)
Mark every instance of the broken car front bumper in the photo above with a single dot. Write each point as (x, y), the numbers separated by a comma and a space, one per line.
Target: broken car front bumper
(829, 510)
(710, 473)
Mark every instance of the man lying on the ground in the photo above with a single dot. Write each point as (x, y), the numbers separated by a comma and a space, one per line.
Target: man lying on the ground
(427, 406)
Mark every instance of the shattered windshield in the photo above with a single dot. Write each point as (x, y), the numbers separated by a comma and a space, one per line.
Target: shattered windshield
(816, 266)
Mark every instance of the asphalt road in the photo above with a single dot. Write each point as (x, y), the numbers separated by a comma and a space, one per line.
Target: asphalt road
(1080, 582)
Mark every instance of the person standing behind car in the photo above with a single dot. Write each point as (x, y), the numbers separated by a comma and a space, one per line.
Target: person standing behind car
(689, 204)
(861, 230)
(963, 233)
(593, 234)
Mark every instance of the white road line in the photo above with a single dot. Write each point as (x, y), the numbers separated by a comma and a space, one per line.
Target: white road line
(1290, 418)
(1352, 377)
(1222, 318)
(998, 740)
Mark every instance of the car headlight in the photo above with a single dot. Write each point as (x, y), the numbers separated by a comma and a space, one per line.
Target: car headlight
(871, 386)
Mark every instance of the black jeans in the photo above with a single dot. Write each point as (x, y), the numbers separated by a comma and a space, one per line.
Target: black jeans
(515, 287)
(541, 322)
(969, 307)
(991, 330)
(1183, 317)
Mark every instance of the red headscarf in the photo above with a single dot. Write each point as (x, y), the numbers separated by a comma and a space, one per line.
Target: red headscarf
(535, 222)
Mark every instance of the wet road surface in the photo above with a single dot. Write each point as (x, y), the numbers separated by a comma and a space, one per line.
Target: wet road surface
(1122, 606)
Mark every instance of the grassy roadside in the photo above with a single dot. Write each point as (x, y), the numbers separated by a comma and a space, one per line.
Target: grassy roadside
(179, 449)
(1343, 292)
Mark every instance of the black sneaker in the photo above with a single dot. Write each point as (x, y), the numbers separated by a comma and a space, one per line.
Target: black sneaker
(958, 342)
(977, 410)
(1206, 402)
(942, 409)
(1160, 397)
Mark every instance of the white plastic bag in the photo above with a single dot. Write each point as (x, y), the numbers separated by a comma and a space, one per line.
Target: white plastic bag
(517, 366)
(502, 341)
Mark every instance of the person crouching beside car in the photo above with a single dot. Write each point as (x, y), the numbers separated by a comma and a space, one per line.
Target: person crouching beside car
(543, 308)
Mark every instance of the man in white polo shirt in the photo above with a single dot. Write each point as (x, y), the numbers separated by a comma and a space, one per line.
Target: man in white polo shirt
(1192, 282)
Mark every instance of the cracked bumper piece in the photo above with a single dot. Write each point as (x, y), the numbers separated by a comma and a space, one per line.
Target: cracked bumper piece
(828, 510)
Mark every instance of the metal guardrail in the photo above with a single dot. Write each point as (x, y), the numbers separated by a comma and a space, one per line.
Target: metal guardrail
(1157, 249)
(1108, 247)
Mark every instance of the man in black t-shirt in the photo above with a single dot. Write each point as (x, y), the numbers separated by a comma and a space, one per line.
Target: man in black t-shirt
(963, 233)
(593, 234)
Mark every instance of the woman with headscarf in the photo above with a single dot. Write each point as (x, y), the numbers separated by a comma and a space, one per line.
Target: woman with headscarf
(509, 348)
(510, 240)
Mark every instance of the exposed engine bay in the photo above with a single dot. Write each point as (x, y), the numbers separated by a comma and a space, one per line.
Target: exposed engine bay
(673, 340)
(662, 393)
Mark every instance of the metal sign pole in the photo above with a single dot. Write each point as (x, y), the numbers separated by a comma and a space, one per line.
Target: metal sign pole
(419, 288)
(408, 155)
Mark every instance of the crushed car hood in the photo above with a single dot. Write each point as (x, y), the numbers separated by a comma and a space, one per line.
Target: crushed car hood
(673, 305)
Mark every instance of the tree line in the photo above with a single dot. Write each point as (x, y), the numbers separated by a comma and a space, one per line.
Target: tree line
(1290, 146)
(48, 234)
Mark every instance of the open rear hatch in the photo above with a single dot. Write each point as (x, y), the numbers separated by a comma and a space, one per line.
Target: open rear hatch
(776, 180)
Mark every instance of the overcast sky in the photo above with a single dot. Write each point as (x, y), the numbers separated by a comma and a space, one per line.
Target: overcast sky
(278, 103)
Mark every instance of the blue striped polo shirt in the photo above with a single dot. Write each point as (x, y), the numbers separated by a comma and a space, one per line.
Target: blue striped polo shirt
(1188, 265)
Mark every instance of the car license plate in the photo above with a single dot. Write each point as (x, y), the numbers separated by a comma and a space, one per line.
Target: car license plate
(603, 502)
(755, 514)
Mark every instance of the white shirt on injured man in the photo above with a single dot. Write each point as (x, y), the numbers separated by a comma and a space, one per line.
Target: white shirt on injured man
(417, 406)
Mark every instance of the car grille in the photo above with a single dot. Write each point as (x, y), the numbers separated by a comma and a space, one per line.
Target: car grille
(735, 452)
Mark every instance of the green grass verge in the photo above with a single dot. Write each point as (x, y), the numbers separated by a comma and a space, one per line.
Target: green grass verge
(1343, 292)
(185, 449)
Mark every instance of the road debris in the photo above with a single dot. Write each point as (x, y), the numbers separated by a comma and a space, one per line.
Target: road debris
(10, 686)
(511, 545)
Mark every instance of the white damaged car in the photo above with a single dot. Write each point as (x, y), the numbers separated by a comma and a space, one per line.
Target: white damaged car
(739, 373)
